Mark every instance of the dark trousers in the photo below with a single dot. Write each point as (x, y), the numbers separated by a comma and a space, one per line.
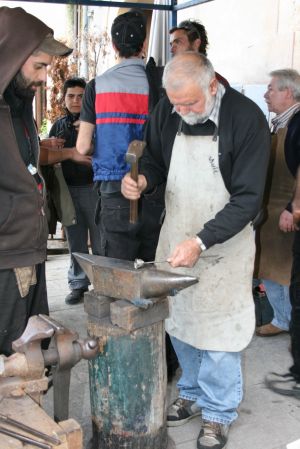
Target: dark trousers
(15, 310)
(295, 302)
(123, 240)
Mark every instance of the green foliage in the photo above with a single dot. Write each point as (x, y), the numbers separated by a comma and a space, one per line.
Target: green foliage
(43, 128)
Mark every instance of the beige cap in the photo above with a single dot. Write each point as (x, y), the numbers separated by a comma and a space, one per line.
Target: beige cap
(53, 47)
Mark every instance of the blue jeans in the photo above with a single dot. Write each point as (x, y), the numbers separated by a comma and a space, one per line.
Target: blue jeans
(84, 200)
(279, 298)
(211, 378)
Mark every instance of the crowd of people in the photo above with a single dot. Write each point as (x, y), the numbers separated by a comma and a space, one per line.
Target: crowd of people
(210, 170)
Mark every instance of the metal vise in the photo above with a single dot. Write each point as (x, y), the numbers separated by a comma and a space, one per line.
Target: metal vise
(24, 371)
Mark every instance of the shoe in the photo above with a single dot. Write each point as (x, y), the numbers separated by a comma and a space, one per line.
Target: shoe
(75, 296)
(213, 435)
(284, 384)
(269, 330)
(181, 411)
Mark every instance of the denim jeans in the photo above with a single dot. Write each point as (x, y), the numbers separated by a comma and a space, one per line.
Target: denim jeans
(279, 298)
(84, 200)
(211, 378)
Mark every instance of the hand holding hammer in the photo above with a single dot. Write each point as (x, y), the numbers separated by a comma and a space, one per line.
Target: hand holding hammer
(134, 152)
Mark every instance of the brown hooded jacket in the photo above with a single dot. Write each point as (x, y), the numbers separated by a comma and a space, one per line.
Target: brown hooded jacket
(23, 227)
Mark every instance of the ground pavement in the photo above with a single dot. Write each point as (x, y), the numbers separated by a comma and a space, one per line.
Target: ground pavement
(266, 420)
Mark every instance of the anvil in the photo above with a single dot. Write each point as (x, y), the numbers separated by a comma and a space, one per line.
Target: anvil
(119, 279)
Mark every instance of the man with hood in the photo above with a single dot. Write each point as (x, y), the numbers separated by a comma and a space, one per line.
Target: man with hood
(24, 57)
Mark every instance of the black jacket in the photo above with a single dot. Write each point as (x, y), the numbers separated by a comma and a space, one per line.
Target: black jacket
(292, 144)
(292, 149)
(244, 147)
(23, 226)
(74, 174)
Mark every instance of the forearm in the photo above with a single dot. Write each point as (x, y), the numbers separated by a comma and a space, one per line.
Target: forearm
(84, 144)
(50, 157)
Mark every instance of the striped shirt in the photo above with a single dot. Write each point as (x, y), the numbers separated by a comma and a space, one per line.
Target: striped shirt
(281, 120)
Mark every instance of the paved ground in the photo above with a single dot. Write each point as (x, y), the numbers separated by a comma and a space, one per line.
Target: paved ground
(266, 420)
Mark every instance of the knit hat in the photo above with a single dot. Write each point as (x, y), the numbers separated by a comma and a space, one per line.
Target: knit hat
(129, 30)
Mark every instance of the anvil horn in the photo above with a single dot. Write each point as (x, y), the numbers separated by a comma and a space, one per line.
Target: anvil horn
(86, 261)
(119, 279)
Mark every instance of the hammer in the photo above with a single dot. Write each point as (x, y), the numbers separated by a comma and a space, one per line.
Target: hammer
(134, 152)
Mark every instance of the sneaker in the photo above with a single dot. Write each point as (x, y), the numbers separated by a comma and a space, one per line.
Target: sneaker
(181, 411)
(284, 384)
(75, 296)
(213, 435)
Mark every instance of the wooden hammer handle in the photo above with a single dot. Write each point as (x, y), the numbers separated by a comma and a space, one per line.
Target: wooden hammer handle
(133, 214)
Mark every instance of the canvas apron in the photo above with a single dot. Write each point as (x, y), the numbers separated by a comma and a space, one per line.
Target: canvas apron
(274, 255)
(217, 313)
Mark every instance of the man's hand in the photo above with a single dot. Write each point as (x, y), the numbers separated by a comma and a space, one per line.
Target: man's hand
(80, 158)
(185, 254)
(52, 143)
(286, 223)
(132, 190)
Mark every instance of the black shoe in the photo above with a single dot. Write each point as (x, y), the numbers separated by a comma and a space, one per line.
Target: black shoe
(75, 296)
(181, 411)
(284, 384)
(213, 435)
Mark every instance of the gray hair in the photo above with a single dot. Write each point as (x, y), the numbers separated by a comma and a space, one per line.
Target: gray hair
(188, 67)
(288, 79)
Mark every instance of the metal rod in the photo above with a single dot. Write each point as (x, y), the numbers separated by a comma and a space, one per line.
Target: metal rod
(108, 3)
(139, 263)
(28, 429)
(188, 4)
(20, 437)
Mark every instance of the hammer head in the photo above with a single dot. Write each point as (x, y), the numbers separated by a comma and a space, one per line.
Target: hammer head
(135, 151)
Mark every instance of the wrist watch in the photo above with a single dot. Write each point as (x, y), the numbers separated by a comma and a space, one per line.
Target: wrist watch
(200, 243)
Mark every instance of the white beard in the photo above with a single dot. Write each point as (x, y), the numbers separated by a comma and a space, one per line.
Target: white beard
(193, 118)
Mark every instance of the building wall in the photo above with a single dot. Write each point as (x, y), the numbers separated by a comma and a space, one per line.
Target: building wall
(55, 16)
(249, 38)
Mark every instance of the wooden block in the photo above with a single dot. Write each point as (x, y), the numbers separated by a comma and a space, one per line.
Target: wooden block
(73, 433)
(97, 305)
(28, 412)
(127, 316)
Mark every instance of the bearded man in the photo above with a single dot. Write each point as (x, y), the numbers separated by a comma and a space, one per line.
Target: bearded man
(27, 47)
(210, 144)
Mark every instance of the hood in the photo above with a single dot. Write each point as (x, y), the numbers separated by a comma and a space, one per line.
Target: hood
(20, 34)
